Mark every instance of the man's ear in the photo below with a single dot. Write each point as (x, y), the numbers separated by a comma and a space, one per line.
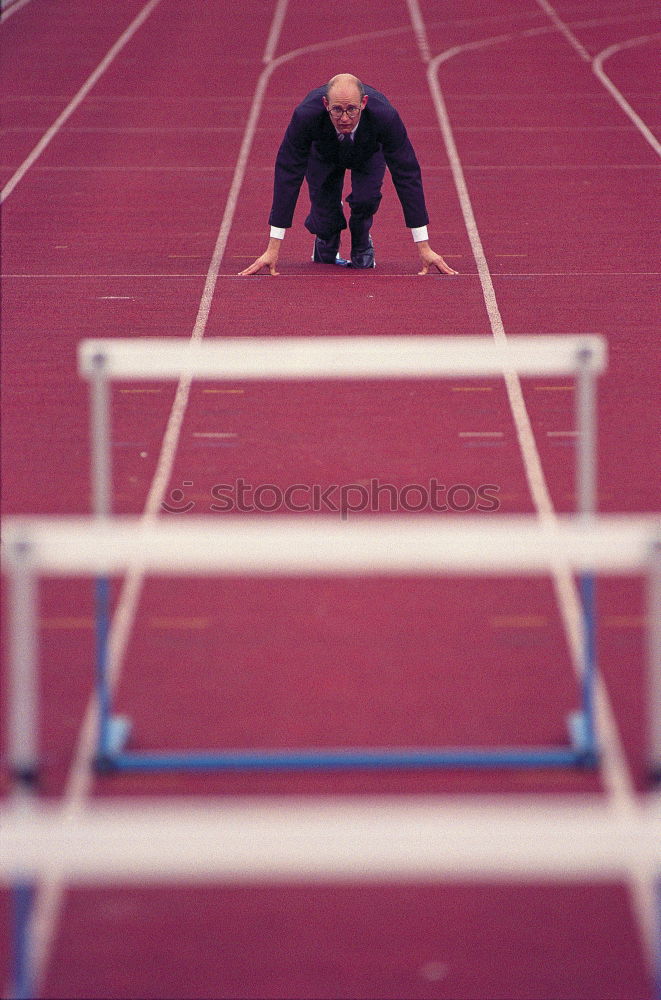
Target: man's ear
(364, 101)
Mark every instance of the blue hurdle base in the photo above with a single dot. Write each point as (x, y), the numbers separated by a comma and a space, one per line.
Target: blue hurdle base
(581, 735)
(578, 754)
(116, 734)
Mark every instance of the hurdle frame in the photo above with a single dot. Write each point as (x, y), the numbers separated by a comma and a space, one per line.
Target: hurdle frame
(402, 546)
(433, 840)
(292, 358)
(38, 547)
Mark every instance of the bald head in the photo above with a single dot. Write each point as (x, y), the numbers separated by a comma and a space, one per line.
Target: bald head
(345, 87)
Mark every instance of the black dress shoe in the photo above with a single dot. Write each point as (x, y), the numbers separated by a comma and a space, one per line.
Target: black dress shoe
(363, 258)
(326, 251)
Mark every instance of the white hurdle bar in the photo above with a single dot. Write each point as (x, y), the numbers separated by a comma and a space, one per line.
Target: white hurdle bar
(414, 839)
(339, 357)
(297, 358)
(306, 546)
(435, 838)
(499, 544)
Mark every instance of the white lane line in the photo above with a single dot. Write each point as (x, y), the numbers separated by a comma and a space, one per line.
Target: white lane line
(86, 275)
(535, 475)
(77, 100)
(10, 8)
(617, 779)
(49, 896)
(643, 889)
(164, 169)
(548, 168)
(565, 30)
(275, 32)
(429, 168)
(127, 130)
(597, 68)
(316, 275)
(419, 30)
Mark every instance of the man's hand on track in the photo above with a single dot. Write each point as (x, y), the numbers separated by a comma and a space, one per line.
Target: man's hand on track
(268, 259)
(430, 258)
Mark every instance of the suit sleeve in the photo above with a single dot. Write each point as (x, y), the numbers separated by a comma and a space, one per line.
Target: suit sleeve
(405, 170)
(290, 166)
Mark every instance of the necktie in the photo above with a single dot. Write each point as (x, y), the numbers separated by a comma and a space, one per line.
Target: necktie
(345, 151)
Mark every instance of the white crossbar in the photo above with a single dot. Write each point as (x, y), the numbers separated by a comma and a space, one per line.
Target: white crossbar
(339, 357)
(437, 838)
(314, 546)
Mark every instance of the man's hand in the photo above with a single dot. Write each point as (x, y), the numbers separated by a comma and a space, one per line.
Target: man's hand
(268, 259)
(431, 259)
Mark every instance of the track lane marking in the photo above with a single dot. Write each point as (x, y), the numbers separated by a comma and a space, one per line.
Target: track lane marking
(50, 893)
(383, 275)
(597, 68)
(565, 30)
(66, 622)
(617, 779)
(78, 99)
(481, 434)
(10, 8)
(643, 889)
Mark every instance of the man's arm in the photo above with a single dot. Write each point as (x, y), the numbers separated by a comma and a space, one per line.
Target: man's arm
(290, 166)
(407, 177)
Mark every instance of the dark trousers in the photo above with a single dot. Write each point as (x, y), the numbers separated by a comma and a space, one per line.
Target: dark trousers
(326, 182)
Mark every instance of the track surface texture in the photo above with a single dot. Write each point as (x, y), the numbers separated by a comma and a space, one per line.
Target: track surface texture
(138, 143)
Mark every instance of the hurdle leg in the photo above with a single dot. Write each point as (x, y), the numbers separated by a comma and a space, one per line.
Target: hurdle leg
(582, 724)
(23, 747)
(654, 668)
(586, 425)
(112, 730)
(101, 504)
(23, 683)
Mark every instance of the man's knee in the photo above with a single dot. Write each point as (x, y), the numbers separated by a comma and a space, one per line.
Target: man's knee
(324, 222)
(364, 208)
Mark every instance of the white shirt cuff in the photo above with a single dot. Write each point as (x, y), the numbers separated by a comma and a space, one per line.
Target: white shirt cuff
(420, 234)
(277, 233)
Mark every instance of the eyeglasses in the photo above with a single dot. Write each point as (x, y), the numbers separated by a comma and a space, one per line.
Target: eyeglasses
(350, 112)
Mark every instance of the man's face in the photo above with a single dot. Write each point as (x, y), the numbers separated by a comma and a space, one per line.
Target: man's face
(344, 105)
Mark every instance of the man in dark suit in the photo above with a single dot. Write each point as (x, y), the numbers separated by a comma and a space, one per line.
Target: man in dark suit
(346, 126)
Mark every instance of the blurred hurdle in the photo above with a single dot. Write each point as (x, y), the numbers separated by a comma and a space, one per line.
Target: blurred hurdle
(192, 843)
(435, 839)
(413, 546)
(308, 839)
(584, 357)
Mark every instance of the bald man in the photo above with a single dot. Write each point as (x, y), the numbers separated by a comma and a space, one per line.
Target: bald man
(345, 126)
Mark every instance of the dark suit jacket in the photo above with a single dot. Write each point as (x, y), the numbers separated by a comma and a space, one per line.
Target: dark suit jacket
(380, 128)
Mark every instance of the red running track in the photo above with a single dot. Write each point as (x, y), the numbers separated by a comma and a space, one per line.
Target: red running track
(111, 232)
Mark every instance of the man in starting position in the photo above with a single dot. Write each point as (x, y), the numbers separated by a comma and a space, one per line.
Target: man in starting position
(346, 126)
